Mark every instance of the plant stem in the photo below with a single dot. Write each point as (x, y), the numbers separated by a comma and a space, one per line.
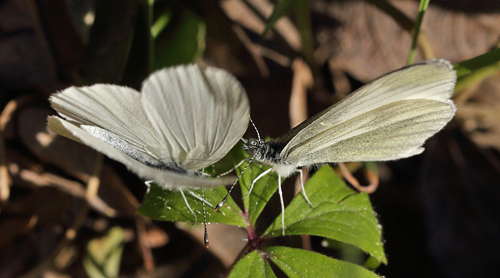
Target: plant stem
(306, 36)
(421, 10)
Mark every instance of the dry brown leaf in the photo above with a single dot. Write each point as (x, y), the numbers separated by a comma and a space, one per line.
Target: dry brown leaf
(366, 42)
(224, 48)
(226, 242)
(480, 114)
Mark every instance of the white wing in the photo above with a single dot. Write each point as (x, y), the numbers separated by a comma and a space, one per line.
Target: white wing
(389, 118)
(211, 106)
(113, 108)
(166, 178)
(201, 113)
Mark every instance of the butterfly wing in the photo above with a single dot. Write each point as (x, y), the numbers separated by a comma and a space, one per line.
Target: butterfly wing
(114, 115)
(165, 178)
(113, 108)
(210, 109)
(389, 118)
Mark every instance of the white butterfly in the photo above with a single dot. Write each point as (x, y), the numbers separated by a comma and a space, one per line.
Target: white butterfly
(185, 119)
(387, 119)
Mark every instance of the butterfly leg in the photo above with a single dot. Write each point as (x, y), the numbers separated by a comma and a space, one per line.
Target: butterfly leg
(231, 170)
(200, 198)
(231, 188)
(148, 184)
(282, 206)
(255, 180)
(187, 205)
(302, 187)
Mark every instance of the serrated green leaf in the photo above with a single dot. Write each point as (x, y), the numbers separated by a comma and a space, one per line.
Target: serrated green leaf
(301, 263)
(263, 189)
(282, 8)
(182, 41)
(168, 205)
(252, 265)
(103, 255)
(340, 213)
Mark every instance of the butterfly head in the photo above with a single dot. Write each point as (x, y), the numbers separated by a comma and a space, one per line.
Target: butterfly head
(267, 152)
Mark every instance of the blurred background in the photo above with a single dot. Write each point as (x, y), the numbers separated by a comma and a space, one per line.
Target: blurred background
(439, 210)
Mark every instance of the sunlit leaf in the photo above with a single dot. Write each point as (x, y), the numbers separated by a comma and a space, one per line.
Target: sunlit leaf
(340, 213)
(168, 205)
(103, 255)
(262, 191)
(301, 263)
(252, 265)
(181, 41)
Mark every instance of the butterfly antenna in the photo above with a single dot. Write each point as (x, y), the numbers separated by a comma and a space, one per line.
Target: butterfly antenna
(204, 218)
(246, 166)
(255, 127)
(232, 186)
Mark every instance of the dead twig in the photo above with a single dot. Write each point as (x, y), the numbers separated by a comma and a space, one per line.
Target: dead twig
(71, 232)
(26, 173)
(372, 177)
(5, 117)
(302, 81)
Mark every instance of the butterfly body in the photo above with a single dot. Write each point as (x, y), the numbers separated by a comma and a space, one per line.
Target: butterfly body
(269, 153)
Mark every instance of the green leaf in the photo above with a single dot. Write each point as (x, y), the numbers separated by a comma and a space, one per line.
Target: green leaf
(372, 263)
(160, 23)
(168, 205)
(348, 252)
(477, 69)
(301, 263)
(103, 255)
(340, 213)
(282, 8)
(471, 65)
(421, 11)
(182, 41)
(252, 265)
(262, 191)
